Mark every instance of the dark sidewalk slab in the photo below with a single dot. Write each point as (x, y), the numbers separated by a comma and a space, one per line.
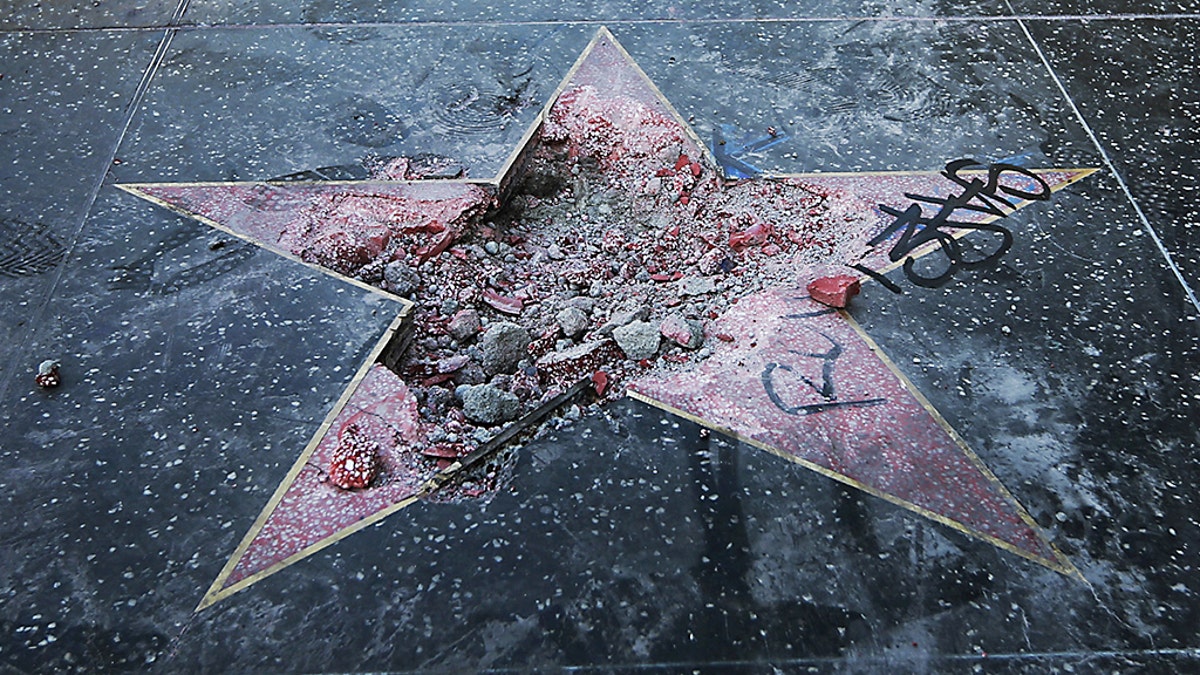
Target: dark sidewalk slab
(1101, 8)
(864, 95)
(254, 104)
(51, 15)
(634, 542)
(65, 99)
(253, 12)
(1140, 93)
(193, 367)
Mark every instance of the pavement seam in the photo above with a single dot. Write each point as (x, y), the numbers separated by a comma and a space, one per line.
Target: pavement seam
(175, 21)
(1108, 162)
(32, 332)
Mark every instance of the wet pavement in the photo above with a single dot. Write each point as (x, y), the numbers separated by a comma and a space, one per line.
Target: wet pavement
(202, 367)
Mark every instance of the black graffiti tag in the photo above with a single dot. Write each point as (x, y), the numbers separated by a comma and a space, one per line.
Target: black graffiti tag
(996, 197)
(826, 389)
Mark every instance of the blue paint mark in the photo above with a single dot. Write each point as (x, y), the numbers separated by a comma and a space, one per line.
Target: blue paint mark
(729, 152)
(1024, 159)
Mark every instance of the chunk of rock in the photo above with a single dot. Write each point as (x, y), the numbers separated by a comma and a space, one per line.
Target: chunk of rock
(623, 319)
(355, 461)
(400, 278)
(639, 339)
(572, 320)
(686, 334)
(697, 286)
(47, 376)
(503, 346)
(568, 366)
(713, 262)
(583, 302)
(487, 404)
(834, 291)
(464, 325)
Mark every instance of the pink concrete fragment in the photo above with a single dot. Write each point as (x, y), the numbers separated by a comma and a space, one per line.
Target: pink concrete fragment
(834, 291)
(570, 365)
(355, 461)
(434, 250)
(754, 235)
(600, 382)
(503, 303)
(681, 332)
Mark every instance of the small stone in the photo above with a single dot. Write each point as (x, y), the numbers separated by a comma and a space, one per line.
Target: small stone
(438, 400)
(400, 279)
(623, 319)
(486, 404)
(668, 154)
(639, 339)
(573, 321)
(686, 334)
(452, 364)
(834, 291)
(713, 262)
(464, 325)
(472, 373)
(503, 346)
(555, 252)
(697, 286)
(582, 302)
(492, 247)
(47, 376)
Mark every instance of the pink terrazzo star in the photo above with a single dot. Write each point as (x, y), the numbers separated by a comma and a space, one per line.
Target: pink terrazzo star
(709, 260)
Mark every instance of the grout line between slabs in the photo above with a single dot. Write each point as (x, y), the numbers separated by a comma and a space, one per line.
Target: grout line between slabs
(175, 23)
(1149, 228)
(39, 314)
(893, 663)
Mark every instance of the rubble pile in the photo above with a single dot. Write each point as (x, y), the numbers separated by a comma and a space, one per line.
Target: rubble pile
(618, 247)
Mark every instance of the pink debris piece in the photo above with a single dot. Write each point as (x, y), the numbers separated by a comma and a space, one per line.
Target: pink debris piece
(453, 363)
(834, 291)
(754, 235)
(570, 365)
(503, 303)
(445, 451)
(443, 242)
(600, 382)
(678, 330)
(355, 461)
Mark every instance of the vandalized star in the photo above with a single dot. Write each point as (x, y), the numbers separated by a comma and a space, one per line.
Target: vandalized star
(612, 253)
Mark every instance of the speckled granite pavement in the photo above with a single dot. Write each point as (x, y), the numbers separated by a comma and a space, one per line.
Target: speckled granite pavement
(196, 366)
